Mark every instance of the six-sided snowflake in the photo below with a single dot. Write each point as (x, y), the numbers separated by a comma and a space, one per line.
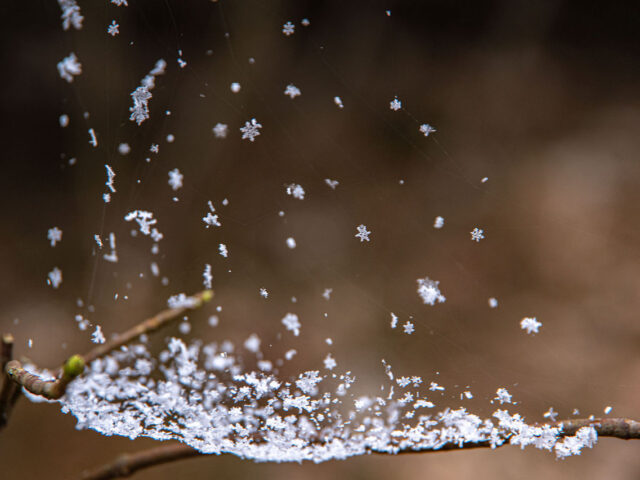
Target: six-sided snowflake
(250, 130)
(363, 233)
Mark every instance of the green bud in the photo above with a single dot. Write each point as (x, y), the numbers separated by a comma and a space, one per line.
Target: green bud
(74, 366)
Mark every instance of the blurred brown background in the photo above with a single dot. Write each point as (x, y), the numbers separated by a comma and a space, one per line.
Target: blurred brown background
(540, 97)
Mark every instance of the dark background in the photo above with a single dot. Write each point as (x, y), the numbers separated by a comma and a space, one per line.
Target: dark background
(540, 97)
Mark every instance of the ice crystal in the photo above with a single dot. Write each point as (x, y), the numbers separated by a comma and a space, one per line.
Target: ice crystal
(477, 234)
(113, 28)
(54, 277)
(288, 28)
(296, 191)
(426, 129)
(69, 67)
(292, 91)
(429, 291)
(220, 130)
(363, 233)
(291, 323)
(175, 179)
(71, 16)
(395, 104)
(530, 324)
(54, 235)
(438, 222)
(250, 130)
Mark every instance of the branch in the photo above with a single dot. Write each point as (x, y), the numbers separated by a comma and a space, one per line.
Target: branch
(74, 366)
(8, 396)
(127, 464)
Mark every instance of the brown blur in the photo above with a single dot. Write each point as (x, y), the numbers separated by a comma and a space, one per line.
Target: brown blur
(540, 97)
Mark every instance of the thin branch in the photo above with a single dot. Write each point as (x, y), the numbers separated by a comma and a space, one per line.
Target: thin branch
(7, 391)
(127, 464)
(150, 325)
(74, 366)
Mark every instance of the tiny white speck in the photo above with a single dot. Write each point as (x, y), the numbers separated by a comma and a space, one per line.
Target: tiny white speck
(291, 242)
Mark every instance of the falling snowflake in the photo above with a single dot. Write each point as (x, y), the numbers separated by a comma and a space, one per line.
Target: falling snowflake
(305, 22)
(394, 320)
(71, 15)
(98, 336)
(433, 386)
(338, 102)
(144, 219)
(93, 140)
(292, 91)
(296, 191)
(264, 293)
(288, 28)
(327, 293)
(250, 130)
(363, 233)
(395, 104)
(54, 278)
(332, 183)
(408, 328)
(69, 67)
(222, 248)
(206, 276)
(330, 362)
(426, 129)
(235, 87)
(113, 29)
(477, 234)
(493, 302)
(154, 148)
(438, 222)
(210, 219)
(175, 179)
(429, 291)
(291, 323)
(120, 2)
(140, 109)
(531, 325)
(54, 235)
(220, 130)
(124, 149)
(291, 242)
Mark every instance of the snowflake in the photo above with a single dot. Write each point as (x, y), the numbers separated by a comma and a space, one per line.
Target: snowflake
(124, 149)
(395, 104)
(220, 130)
(307, 382)
(55, 277)
(235, 87)
(211, 220)
(330, 362)
(71, 15)
(305, 22)
(144, 219)
(477, 234)
(296, 191)
(113, 29)
(98, 336)
(291, 242)
(408, 328)
(252, 343)
(493, 302)
(69, 67)
(327, 293)
(154, 148)
(338, 102)
(429, 291)
(264, 293)
(550, 414)
(394, 320)
(292, 91)
(426, 129)
(222, 248)
(503, 396)
(175, 179)
(288, 28)
(531, 325)
(363, 233)
(291, 323)
(93, 140)
(120, 2)
(206, 276)
(433, 386)
(332, 183)
(54, 235)
(250, 130)
(140, 109)
(64, 120)
(110, 176)
(438, 222)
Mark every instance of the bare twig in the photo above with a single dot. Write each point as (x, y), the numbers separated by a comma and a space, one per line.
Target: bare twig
(127, 464)
(150, 325)
(74, 366)
(7, 395)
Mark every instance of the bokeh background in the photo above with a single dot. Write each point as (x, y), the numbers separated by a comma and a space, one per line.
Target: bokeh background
(540, 97)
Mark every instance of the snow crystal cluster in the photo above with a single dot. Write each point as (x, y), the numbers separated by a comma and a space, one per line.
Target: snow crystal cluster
(203, 396)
